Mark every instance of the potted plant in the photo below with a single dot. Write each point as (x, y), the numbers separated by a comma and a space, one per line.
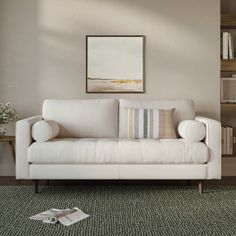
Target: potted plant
(7, 114)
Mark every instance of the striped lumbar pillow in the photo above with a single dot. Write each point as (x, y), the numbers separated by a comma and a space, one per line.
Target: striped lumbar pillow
(150, 123)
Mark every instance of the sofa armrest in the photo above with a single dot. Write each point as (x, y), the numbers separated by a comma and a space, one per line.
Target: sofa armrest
(213, 141)
(23, 141)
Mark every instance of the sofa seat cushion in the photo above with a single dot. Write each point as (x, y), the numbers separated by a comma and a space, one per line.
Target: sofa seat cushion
(118, 151)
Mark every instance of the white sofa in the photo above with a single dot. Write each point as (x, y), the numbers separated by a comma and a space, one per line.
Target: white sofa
(91, 144)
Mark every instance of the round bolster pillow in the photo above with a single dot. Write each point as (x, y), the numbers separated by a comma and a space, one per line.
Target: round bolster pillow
(192, 130)
(44, 130)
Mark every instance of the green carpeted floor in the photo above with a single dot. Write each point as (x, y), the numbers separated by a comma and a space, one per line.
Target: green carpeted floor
(121, 210)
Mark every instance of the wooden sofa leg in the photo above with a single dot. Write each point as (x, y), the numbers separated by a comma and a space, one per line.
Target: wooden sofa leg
(200, 186)
(36, 186)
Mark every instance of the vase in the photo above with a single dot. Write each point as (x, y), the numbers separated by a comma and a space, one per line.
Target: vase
(2, 130)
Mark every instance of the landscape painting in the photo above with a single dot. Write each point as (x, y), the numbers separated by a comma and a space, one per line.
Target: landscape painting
(115, 64)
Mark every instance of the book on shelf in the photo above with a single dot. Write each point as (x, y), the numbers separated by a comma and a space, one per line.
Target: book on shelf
(231, 47)
(225, 52)
(223, 140)
(227, 46)
(228, 140)
(234, 141)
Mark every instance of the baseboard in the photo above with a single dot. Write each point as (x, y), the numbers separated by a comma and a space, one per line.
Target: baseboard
(12, 181)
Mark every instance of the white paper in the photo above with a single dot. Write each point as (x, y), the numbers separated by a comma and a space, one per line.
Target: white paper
(64, 216)
(72, 218)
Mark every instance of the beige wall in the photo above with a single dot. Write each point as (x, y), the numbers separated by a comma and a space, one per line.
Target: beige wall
(42, 50)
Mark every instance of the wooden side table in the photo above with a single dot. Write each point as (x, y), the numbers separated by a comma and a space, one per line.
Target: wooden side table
(11, 141)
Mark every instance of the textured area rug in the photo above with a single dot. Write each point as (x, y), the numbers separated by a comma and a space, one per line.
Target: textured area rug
(121, 210)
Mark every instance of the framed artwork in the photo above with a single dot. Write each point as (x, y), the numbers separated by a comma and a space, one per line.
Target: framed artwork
(115, 64)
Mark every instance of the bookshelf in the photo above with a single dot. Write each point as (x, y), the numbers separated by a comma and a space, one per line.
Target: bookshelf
(228, 110)
(228, 22)
(228, 66)
(228, 166)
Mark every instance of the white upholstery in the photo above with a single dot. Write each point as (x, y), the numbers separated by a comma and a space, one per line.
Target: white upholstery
(93, 118)
(111, 158)
(184, 110)
(213, 141)
(118, 151)
(44, 130)
(192, 130)
(117, 171)
(23, 141)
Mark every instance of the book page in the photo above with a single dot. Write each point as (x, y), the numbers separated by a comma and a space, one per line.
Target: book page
(72, 218)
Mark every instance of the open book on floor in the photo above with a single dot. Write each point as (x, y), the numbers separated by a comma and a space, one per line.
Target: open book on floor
(66, 217)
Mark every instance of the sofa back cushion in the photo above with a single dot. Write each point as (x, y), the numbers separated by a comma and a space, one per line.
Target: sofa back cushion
(91, 118)
(184, 110)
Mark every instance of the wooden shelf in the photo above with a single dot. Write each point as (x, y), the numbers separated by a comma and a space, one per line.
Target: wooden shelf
(228, 22)
(228, 65)
(228, 109)
(229, 166)
(229, 156)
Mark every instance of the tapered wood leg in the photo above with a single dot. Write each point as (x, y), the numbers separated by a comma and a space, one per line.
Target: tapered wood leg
(13, 151)
(200, 186)
(36, 186)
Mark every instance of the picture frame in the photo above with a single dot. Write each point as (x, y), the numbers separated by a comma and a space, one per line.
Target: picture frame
(115, 63)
